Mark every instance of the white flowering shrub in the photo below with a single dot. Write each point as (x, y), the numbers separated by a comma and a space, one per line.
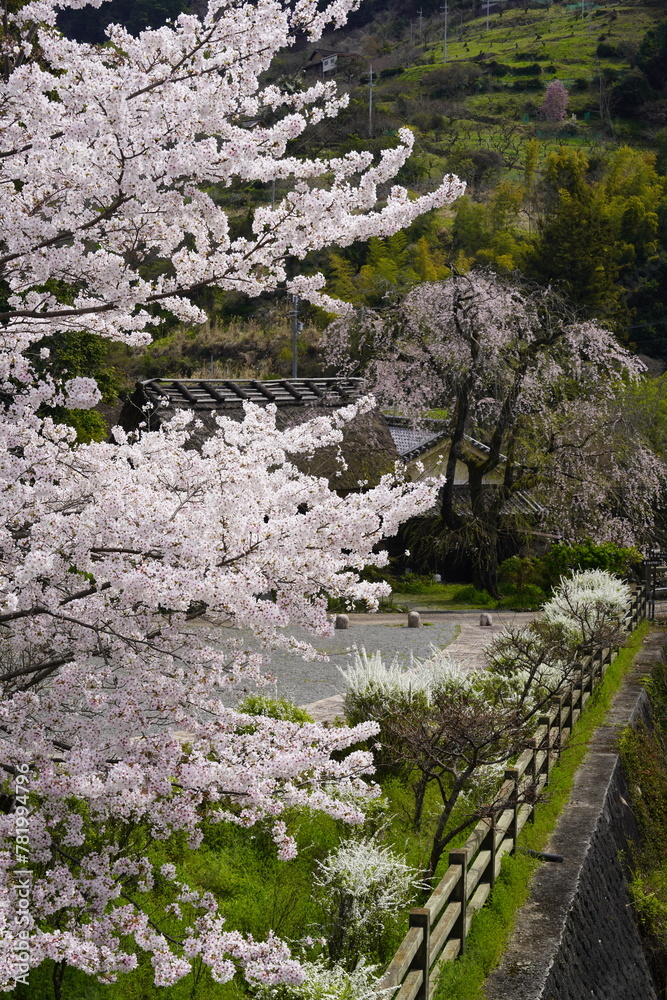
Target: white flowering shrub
(368, 674)
(530, 665)
(362, 885)
(322, 982)
(376, 690)
(587, 609)
(535, 662)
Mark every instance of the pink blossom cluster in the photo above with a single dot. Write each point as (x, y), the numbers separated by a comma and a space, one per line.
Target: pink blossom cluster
(117, 557)
(516, 369)
(113, 682)
(107, 153)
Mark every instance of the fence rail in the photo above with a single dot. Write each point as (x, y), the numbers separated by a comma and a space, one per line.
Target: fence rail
(438, 930)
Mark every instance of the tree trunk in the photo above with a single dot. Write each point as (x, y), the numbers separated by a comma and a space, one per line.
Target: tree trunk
(419, 789)
(485, 514)
(485, 569)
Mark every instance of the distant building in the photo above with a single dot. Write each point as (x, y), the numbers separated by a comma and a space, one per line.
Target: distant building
(425, 452)
(367, 447)
(372, 443)
(323, 61)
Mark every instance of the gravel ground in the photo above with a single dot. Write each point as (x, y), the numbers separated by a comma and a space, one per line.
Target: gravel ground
(308, 681)
(318, 685)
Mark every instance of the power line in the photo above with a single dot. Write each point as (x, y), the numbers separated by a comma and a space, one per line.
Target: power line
(370, 102)
(444, 40)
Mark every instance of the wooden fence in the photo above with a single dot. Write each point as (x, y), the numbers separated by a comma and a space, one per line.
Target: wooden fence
(438, 930)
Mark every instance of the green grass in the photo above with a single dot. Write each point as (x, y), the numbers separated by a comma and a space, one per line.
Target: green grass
(422, 593)
(564, 45)
(644, 757)
(258, 892)
(492, 926)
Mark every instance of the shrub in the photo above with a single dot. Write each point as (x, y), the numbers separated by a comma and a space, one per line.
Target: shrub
(273, 708)
(632, 90)
(368, 679)
(446, 81)
(324, 983)
(499, 69)
(530, 83)
(604, 50)
(586, 609)
(363, 885)
(523, 571)
(375, 691)
(563, 560)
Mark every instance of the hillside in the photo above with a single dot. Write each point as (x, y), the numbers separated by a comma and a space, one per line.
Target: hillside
(495, 76)
(476, 115)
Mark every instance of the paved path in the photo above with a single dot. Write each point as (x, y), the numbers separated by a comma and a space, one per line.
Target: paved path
(312, 681)
(466, 641)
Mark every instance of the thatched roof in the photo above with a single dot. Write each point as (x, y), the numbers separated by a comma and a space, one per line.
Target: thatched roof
(367, 446)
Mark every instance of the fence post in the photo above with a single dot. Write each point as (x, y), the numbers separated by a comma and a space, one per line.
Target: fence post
(590, 681)
(489, 844)
(534, 774)
(512, 774)
(557, 703)
(567, 706)
(460, 895)
(422, 918)
(545, 720)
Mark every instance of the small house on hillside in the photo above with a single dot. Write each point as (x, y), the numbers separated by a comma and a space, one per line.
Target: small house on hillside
(323, 61)
(367, 446)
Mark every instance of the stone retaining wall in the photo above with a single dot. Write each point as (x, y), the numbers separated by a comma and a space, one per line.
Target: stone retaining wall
(576, 938)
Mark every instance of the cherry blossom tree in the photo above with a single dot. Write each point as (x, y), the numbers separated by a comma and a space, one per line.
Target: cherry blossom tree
(514, 369)
(126, 565)
(554, 105)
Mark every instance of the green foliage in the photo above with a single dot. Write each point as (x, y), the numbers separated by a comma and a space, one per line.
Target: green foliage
(644, 756)
(273, 708)
(389, 266)
(73, 354)
(563, 560)
(88, 424)
(514, 594)
(576, 251)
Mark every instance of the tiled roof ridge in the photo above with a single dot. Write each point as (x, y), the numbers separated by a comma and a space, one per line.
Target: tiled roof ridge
(435, 425)
(211, 393)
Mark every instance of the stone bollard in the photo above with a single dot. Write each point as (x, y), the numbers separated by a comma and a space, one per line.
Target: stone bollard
(414, 619)
(342, 621)
(485, 619)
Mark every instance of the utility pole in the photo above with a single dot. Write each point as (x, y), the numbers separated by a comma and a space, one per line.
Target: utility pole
(296, 327)
(370, 102)
(411, 31)
(273, 193)
(444, 42)
(488, 8)
(421, 33)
